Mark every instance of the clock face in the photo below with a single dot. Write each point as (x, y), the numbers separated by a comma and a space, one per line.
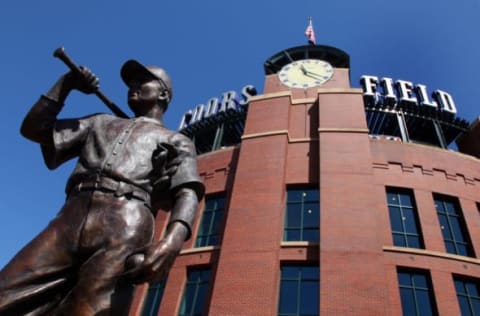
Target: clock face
(306, 73)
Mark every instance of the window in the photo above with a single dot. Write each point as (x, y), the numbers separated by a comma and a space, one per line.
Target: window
(468, 294)
(403, 218)
(195, 293)
(453, 226)
(212, 218)
(153, 298)
(416, 293)
(299, 291)
(302, 215)
(209, 136)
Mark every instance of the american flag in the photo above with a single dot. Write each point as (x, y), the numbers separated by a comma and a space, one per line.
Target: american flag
(310, 33)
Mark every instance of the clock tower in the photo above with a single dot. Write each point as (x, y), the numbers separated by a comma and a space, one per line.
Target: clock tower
(305, 69)
(308, 130)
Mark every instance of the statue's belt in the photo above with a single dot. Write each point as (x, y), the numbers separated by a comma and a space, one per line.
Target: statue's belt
(118, 188)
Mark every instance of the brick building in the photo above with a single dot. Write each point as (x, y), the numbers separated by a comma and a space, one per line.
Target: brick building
(327, 199)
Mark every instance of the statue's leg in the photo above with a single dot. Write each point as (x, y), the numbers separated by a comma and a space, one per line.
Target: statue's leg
(39, 275)
(115, 227)
(99, 282)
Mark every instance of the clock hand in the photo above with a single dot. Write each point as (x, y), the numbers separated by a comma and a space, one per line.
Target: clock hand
(313, 75)
(309, 73)
(304, 70)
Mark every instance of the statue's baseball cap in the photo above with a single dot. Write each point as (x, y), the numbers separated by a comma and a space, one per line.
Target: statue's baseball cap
(133, 69)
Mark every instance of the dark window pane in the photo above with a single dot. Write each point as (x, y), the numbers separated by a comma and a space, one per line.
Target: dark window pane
(419, 281)
(424, 303)
(205, 225)
(299, 291)
(302, 215)
(472, 289)
(220, 202)
(290, 272)
(450, 247)
(464, 306)
(311, 235)
(210, 204)
(312, 195)
(416, 293)
(476, 306)
(201, 242)
(201, 299)
(195, 293)
(309, 297)
(399, 240)
(410, 222)
(212, 219)
(295, 195)
(468, 295)
(444, 226)
(153, 298)
(405, 200)
(217, 222)
(298, 195)
(457, 230)
(462, 250)
(292, 235)
(455, 234)
(311, 214)
(188, 300)
(403, 218)
(450, 208)
(404, 279)
(288, 297)
(459, 287)
(408, 302)
(396, 219)
(392, 198)
(294, 216)
(310, 273)
(413, 242)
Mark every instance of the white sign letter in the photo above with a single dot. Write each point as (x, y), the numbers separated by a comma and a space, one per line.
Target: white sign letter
(405, 91)
(423, 96)
(369, 85)
(389, 94)
(446, 101)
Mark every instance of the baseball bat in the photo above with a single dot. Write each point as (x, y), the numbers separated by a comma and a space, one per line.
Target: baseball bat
(62, 55)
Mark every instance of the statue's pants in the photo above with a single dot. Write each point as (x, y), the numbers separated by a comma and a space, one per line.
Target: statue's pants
(75, 265)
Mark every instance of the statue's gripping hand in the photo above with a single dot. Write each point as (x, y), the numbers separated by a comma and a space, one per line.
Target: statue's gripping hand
(154, 262)
(84, 81)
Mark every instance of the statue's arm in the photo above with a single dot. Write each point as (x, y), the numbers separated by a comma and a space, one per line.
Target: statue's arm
(182, 214)
(39, 122)
(156, 260)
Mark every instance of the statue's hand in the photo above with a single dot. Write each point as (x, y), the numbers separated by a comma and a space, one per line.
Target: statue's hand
(85, 81)
(158, 258)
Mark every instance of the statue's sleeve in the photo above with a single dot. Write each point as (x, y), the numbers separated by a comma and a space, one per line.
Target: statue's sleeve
(187, 172)
(186, 176)
(69, 136)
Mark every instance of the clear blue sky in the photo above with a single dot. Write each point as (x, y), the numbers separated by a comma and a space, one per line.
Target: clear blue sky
(208, 47)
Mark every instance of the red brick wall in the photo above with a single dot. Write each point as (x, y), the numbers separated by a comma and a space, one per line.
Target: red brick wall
(319, 136)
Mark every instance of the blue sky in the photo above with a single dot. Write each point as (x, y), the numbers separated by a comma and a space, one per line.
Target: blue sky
(208, 47)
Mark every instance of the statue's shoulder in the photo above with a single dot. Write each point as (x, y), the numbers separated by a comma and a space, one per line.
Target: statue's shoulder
(178, 138)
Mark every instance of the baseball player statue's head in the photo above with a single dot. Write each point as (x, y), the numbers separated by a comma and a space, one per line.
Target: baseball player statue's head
(150, 88)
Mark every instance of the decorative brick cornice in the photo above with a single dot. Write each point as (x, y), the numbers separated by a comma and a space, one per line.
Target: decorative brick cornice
(427, 171)
(343, 130)
(437, 254)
